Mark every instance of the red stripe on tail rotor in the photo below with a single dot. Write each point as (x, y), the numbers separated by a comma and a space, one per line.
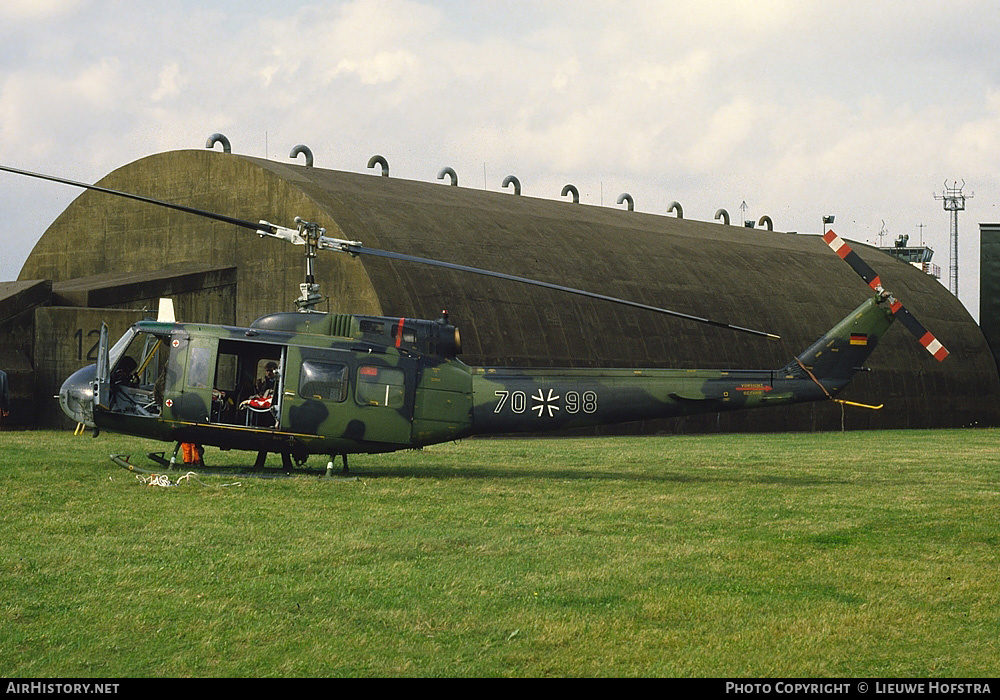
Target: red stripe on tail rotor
(837, 244)
(848, 255)
(923, 336)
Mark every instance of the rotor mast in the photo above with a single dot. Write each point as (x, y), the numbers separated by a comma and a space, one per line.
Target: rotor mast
(311, 235)
(309, 295)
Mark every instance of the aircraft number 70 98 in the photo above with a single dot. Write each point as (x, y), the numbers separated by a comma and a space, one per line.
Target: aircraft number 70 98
(544, 404)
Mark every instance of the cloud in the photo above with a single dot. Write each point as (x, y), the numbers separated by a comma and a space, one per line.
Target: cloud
(35, 10)
(373, 40)
(46, 115)
(383, 67)
(170, 82)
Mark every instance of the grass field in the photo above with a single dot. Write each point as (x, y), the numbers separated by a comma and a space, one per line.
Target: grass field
(838, 554)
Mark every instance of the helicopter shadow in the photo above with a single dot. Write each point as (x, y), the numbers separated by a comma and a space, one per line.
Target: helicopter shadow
(491, 472)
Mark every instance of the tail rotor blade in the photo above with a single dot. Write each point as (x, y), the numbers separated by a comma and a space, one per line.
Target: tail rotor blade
(923, 336)
(847, 254)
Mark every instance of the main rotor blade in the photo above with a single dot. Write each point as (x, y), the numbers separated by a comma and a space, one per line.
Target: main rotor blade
(137, 197)
(362, 250)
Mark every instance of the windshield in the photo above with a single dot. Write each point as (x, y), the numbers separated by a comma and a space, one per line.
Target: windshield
(142, 362)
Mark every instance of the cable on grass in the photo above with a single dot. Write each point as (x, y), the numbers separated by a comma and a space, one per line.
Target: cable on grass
(164, 481)
(161, 480)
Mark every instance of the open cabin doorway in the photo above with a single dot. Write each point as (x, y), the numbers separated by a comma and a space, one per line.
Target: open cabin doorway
(248, 383)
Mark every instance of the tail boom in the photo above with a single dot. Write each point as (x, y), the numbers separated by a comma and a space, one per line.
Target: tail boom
(513, 400)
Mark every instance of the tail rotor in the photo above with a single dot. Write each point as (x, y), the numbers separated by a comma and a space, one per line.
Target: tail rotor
(923, 336)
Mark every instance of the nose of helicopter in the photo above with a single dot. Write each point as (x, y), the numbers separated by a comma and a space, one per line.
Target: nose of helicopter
(76, 396)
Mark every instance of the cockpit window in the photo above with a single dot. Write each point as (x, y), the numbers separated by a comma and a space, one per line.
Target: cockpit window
(380, 386)
(138, 373)
(140, 362)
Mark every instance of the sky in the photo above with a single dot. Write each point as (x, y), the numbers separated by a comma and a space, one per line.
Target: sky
(793, 109)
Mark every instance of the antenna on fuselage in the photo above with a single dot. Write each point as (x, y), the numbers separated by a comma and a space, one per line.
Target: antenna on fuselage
(165, 312)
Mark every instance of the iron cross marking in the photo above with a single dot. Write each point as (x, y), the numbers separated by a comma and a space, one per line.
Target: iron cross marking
(545, 403)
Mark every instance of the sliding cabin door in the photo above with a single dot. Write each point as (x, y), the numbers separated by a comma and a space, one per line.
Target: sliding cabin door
(336, 394)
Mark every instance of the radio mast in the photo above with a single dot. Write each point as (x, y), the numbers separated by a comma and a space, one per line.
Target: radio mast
(954, 201)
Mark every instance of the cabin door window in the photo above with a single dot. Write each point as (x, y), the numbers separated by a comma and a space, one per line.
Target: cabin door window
(199, 368)
(381, 386)
(323, 381)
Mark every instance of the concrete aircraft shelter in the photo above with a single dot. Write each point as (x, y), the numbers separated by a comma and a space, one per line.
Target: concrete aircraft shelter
(108, 258)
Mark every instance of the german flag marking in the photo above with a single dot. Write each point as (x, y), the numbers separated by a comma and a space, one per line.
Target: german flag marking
(859, 339)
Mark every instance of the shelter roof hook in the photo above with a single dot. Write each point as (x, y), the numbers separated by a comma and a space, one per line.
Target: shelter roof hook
(379, 160)
(219, 138)
(302, 149)
(446, 170)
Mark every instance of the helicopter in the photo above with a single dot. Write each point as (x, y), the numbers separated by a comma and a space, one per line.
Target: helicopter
(341, 384)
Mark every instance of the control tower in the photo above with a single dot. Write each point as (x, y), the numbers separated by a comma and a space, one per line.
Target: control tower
(918, 256)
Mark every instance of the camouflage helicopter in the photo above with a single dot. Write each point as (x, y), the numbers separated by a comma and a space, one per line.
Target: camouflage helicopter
(345, 383)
